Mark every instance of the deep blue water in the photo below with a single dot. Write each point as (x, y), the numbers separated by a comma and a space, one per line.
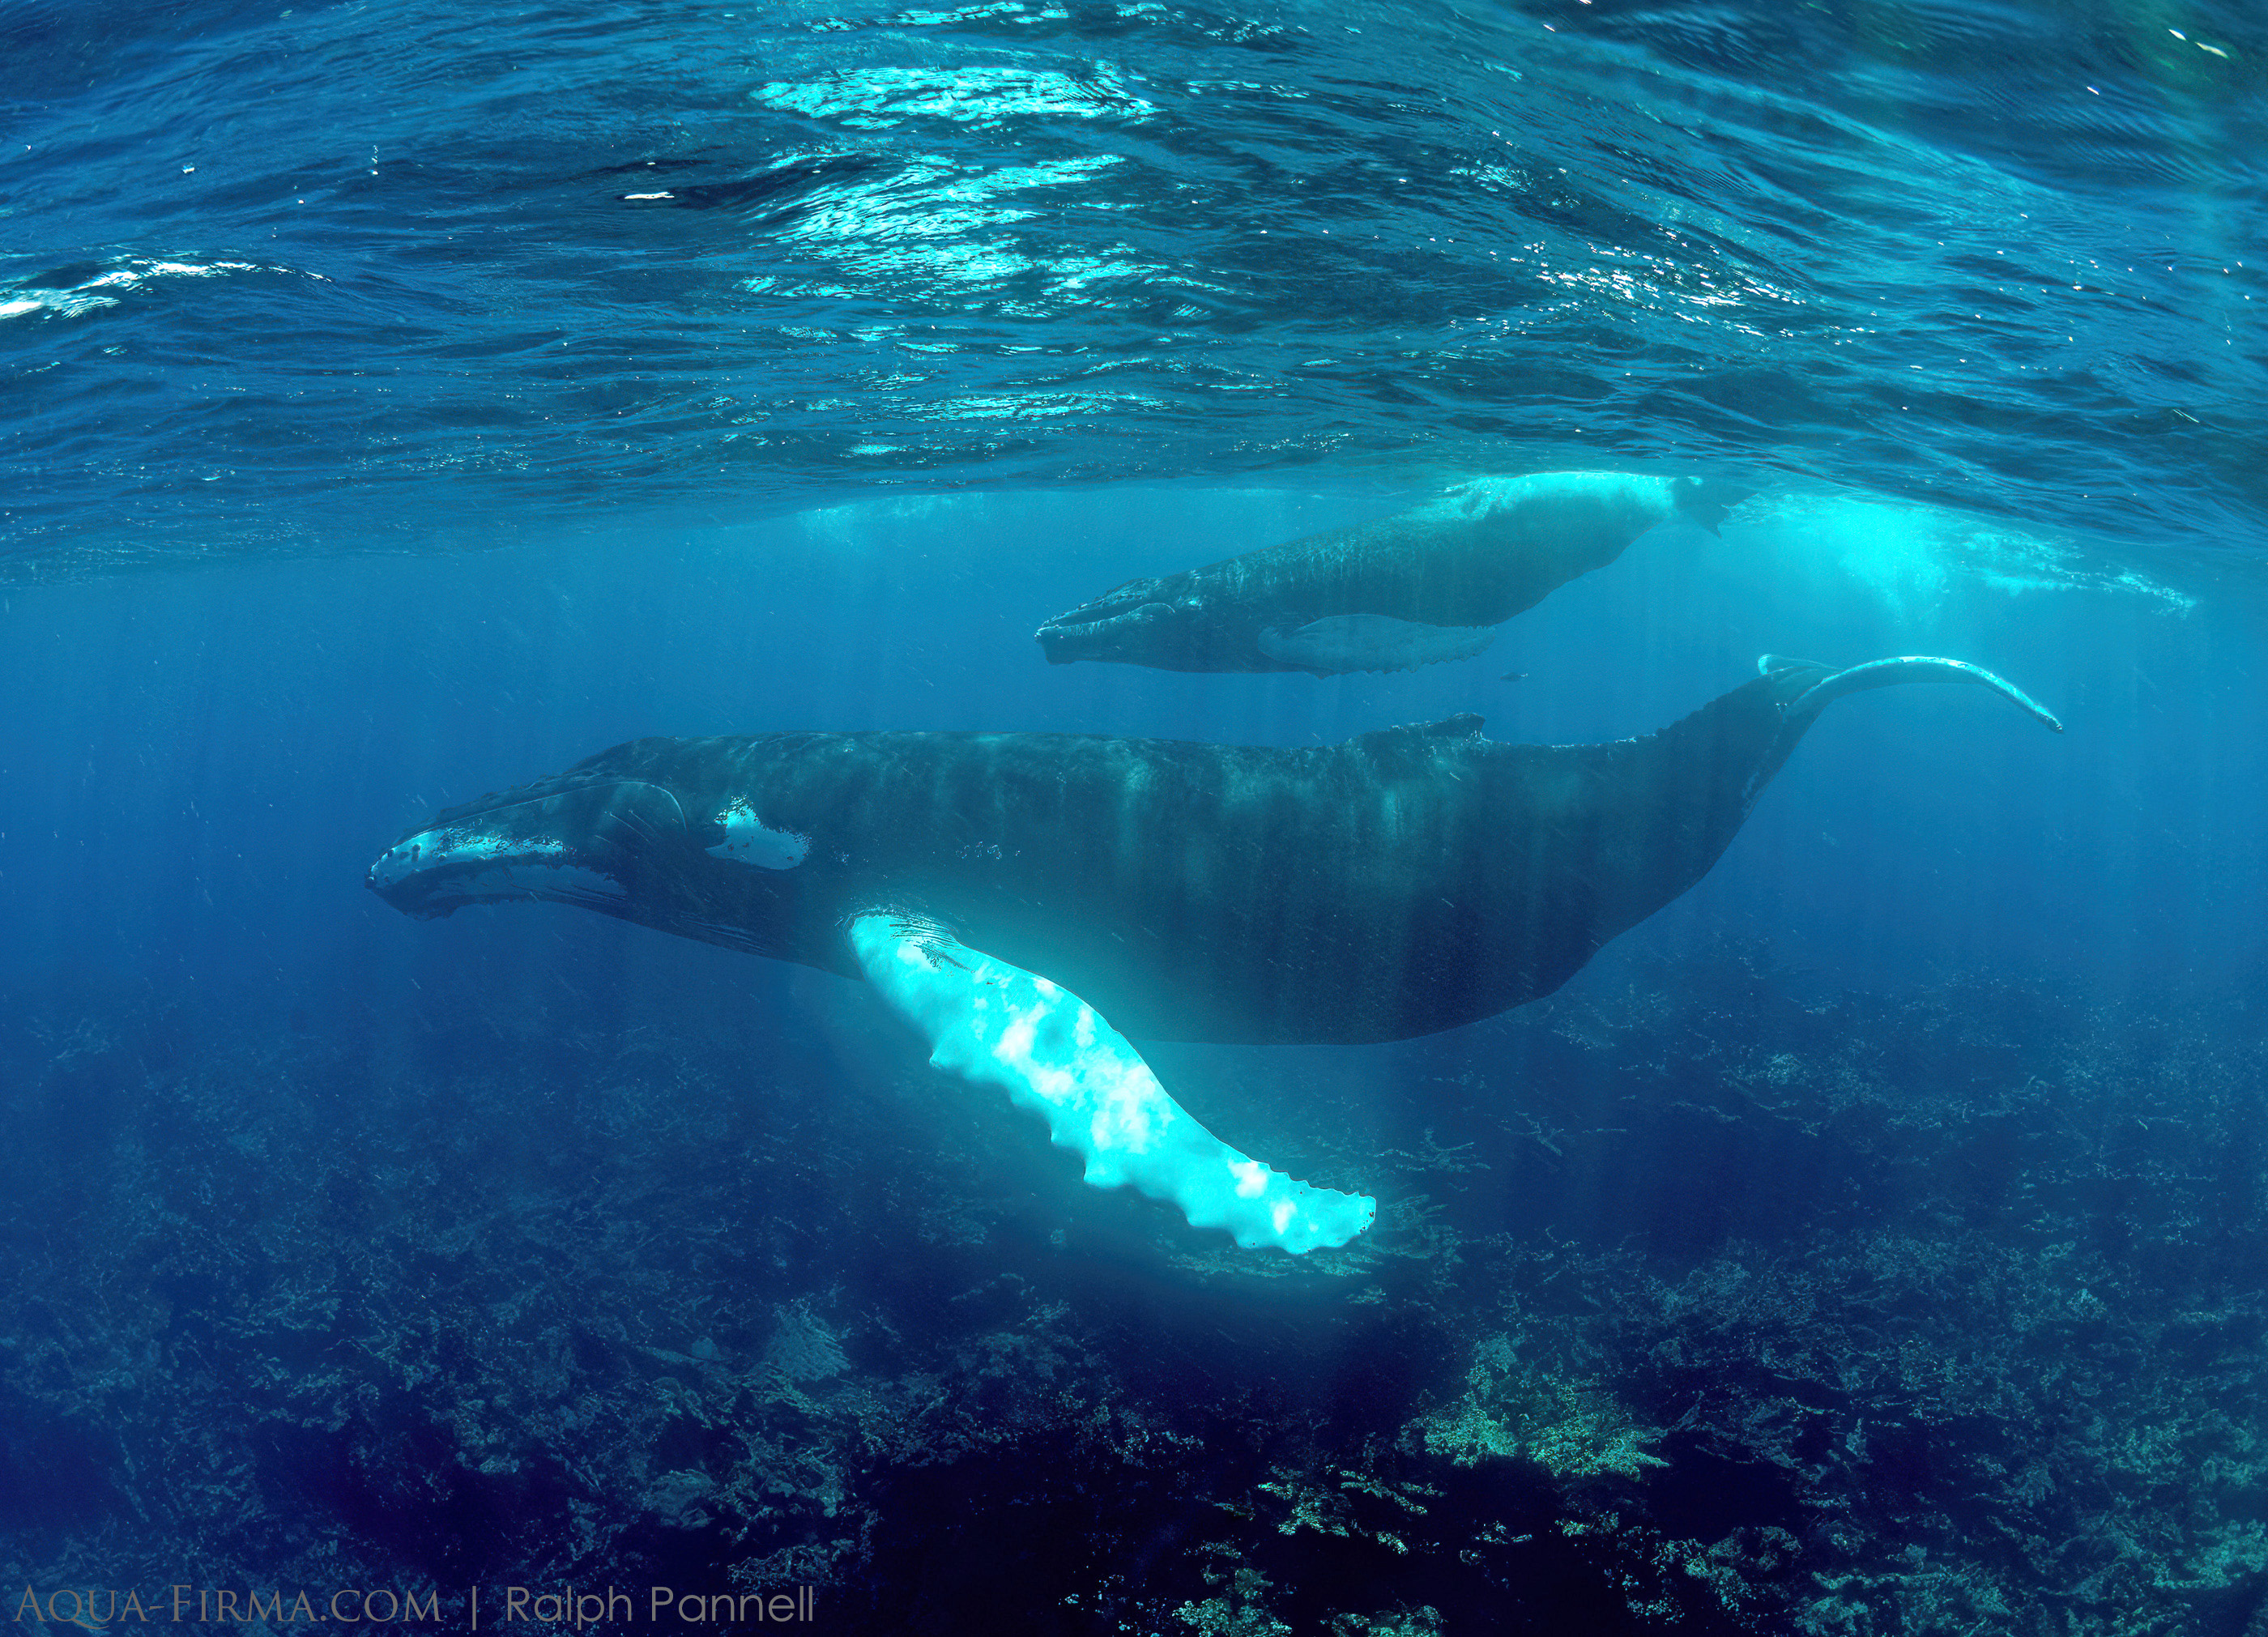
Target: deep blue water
(404, 401)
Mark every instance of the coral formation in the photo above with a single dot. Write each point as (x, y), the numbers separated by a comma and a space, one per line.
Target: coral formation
(1571, 1427)
(1902, 1315)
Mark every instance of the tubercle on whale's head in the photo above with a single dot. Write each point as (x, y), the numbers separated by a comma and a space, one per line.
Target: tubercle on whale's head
(589, 842)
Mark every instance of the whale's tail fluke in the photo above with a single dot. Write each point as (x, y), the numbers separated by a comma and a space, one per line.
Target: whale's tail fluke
(1816, 686)
(1801, 688)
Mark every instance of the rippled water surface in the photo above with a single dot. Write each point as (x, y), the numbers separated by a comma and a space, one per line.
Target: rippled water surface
(287, 277)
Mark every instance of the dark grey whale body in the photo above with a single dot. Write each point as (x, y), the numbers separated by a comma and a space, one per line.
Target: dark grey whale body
(1403, 882)
(1012, 895)
(1396, 592)
(996, 889)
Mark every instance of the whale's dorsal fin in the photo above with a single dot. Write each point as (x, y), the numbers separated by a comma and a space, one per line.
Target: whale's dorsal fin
(1463, 724)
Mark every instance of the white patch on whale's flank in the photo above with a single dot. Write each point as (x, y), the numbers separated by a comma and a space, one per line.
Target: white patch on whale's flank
(1372, 642)
(748, 841)
(997, 1024)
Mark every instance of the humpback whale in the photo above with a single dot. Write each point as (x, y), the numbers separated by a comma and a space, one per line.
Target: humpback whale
(1019, 898)
(1395, 593)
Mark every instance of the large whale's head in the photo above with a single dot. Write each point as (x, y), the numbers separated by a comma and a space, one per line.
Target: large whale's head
(1161, 622)
(619, 834)
(588, 843)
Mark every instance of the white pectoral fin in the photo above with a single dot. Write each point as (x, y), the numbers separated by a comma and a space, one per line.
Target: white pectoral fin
(997, 1024)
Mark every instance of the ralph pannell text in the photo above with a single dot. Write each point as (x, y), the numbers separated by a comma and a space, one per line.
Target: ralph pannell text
(99, 1609)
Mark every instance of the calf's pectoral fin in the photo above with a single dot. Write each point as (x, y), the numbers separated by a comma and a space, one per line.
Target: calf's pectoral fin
(995, 1024)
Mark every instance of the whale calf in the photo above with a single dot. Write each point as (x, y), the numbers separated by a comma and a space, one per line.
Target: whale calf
(1395, 593)
(1020, 898)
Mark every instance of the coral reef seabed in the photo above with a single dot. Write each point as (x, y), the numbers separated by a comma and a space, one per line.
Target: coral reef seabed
(1699, 1307)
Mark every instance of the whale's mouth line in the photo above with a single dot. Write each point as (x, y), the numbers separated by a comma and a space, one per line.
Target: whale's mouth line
(517, 851)
(520, 880)
(435, 870)
(1067, 637)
